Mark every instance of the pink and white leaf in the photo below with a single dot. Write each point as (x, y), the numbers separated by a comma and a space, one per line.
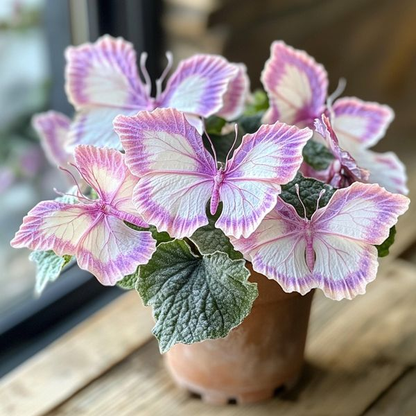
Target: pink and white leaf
(355, 219)
(343, 267)
(296, 85)
(93, 230)
(53, 225)
(94, 126)
(111, 250)
(237, 92)
(363, 212)
(344, 170)
(277, 249)
(334, 251)
(385, 169)
(360, 124)
(252, 178)
(53, 129)
(106, 172)
(104, 74)
(198, 85)
(177, 173)
(162, 141)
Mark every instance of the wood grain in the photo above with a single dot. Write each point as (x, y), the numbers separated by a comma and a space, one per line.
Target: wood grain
(405, 243)
(356, 351)
(80, 356)
(359, 347)
(400, 400)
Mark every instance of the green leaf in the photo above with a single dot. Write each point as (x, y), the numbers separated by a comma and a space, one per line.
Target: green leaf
(260, 102)
(317, 155)
(214, 124)
(250, 123)
(48, 267)
(209, 239)
(159, 237)
(384, 248)
(129, 282)
(309, 190)
(194, 298)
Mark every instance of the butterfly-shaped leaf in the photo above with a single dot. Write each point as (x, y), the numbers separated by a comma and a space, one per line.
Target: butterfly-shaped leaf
(296, 85)
(334, 250)
(297, 89)
(179, 176)
(93, 230)
(102, 81)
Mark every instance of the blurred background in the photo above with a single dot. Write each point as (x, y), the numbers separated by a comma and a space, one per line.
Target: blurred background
(372, 43)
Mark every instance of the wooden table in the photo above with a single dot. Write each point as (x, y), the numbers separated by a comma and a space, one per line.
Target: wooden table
(360, 358)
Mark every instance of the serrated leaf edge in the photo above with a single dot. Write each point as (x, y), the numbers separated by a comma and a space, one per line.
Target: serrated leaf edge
(150, 303)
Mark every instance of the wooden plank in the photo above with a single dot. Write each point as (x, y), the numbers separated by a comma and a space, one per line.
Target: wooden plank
(77, 358)
(399, 400)
(184, 23)
(32, 389)
(205, 6)
(84, 354)
(406, 227)
(355, 356)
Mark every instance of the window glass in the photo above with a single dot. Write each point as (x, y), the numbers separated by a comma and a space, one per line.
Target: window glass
(25, 175)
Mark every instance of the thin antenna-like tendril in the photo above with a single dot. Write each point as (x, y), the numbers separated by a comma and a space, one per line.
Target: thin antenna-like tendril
(300, 200)
(342, 83)
(80, 194)
(319, 198)
(212, 147)
(146, 76)
(168, 67)
(234, 143)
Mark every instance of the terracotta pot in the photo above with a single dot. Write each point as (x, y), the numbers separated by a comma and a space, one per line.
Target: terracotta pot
(262, 354)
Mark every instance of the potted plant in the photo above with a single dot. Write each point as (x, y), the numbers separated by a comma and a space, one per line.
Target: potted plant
(225, 210)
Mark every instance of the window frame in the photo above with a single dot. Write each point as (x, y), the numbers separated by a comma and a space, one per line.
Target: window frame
(32, 321)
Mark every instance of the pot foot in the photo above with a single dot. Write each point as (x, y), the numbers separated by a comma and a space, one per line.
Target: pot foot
(223, 398)
(216, 398)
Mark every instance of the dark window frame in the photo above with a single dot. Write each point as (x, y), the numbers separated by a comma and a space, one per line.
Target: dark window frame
(35, 323)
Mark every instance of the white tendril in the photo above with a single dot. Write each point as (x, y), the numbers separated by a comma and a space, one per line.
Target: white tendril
(159, 81)
(146, 76)
(342, 83)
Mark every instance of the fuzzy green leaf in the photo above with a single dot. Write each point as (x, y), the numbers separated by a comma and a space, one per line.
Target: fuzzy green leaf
(260, 102)
(309, 190)
(129, 282)
(384, 248)
(317, 155)
(194, 298)
(214, 124)
(48, 267)
(159, 237)
(209, 239)
(250, 124)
